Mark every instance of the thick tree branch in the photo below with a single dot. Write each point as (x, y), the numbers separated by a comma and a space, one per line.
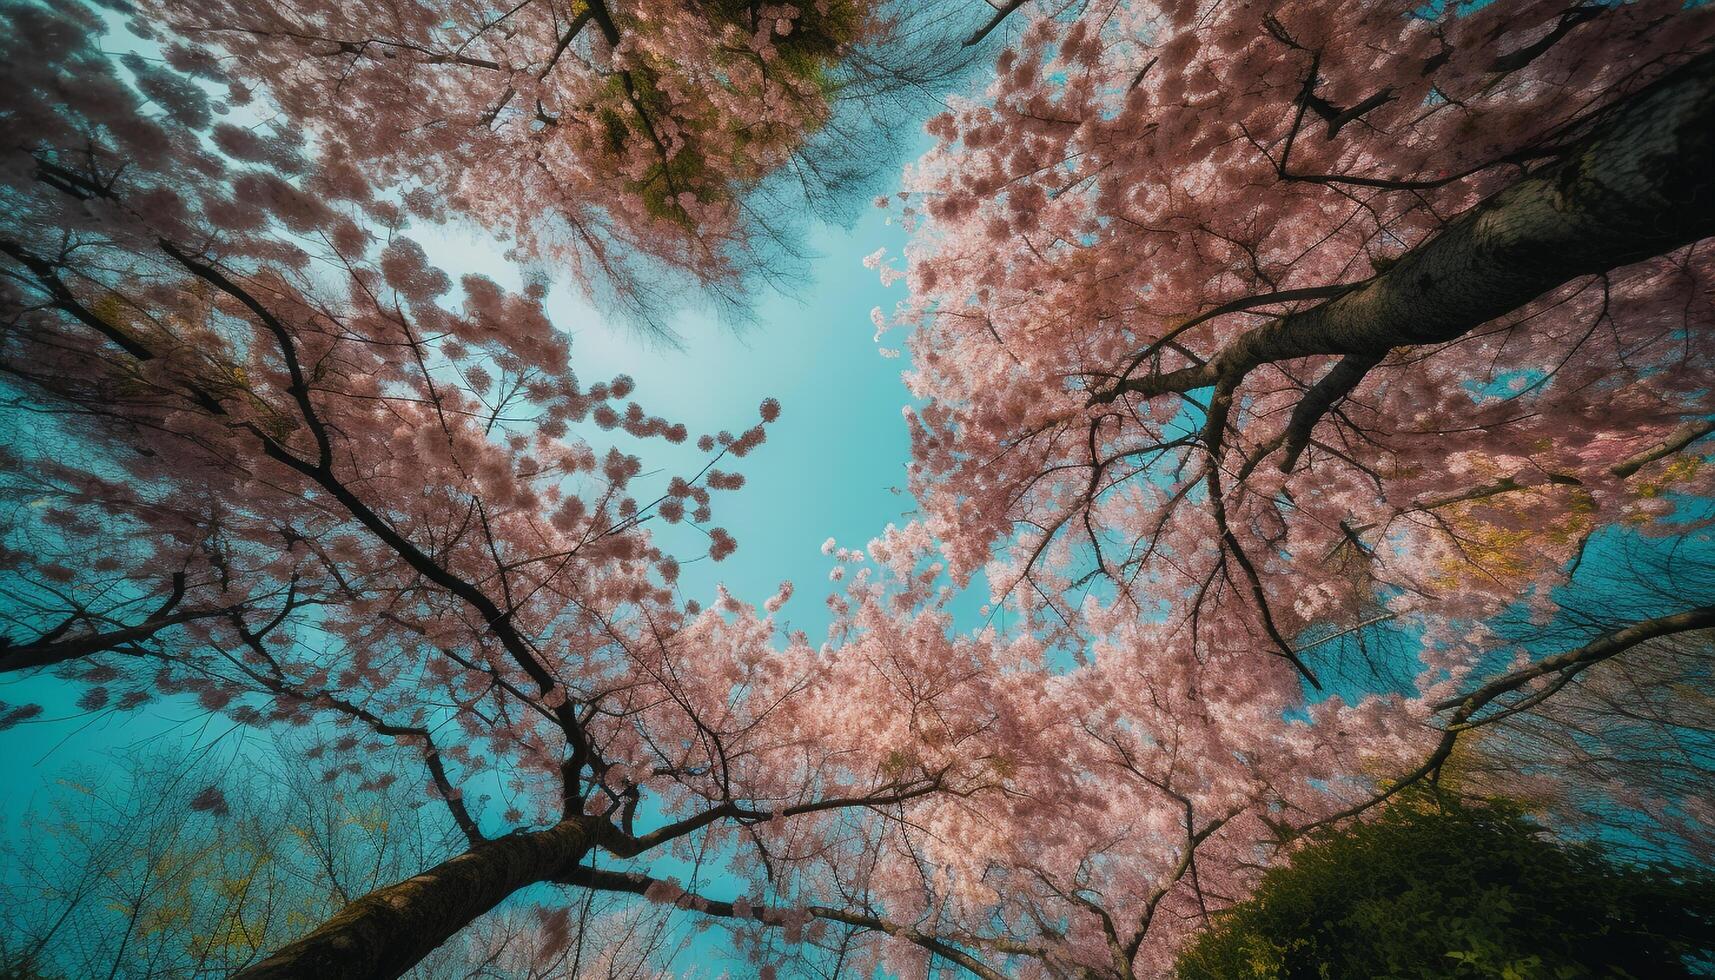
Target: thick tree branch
(32, 655)
(1596, 651)
(1641, 184)
(386, 932)
(49, 649)
(1165, 341)
(1506, 484)
(1569, 22)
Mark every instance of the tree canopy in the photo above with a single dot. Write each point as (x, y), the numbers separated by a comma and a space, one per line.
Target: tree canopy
(1319, 391)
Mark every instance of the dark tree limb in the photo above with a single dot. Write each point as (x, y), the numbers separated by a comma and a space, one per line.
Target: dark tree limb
(1676, 440)
(386, 932)
(32, 655)
(1641, 184)
(1600, 649)
(1324, 395)
(1000, 14)
(1564, 666)
(49, 649)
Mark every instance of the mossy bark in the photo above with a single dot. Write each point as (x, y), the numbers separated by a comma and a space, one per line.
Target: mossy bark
(386, 932)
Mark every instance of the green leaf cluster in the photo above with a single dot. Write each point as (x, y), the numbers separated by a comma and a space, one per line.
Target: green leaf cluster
(819, 37)
(1436, 886)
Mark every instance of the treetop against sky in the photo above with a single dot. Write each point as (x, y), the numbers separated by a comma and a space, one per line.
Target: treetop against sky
(1312, 397)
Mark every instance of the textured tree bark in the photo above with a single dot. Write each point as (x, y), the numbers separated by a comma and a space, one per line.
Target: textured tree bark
(384, 933)
(1641, 184)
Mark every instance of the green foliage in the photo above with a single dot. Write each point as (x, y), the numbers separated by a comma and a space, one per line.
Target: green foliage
(716, 150)
(1450, 888)
(622, 115)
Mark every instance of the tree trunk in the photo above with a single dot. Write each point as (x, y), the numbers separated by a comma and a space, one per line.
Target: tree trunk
(1641, 184)
(386, 932)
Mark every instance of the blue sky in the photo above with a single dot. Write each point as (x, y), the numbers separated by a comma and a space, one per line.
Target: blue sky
(834, 463)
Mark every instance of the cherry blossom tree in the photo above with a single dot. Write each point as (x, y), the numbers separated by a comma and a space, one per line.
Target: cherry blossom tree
(1201, 299)
(291, 472)
(130, 883)
(1138, 795)
(616, 140)
(1240, 332)
(1250, 336)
